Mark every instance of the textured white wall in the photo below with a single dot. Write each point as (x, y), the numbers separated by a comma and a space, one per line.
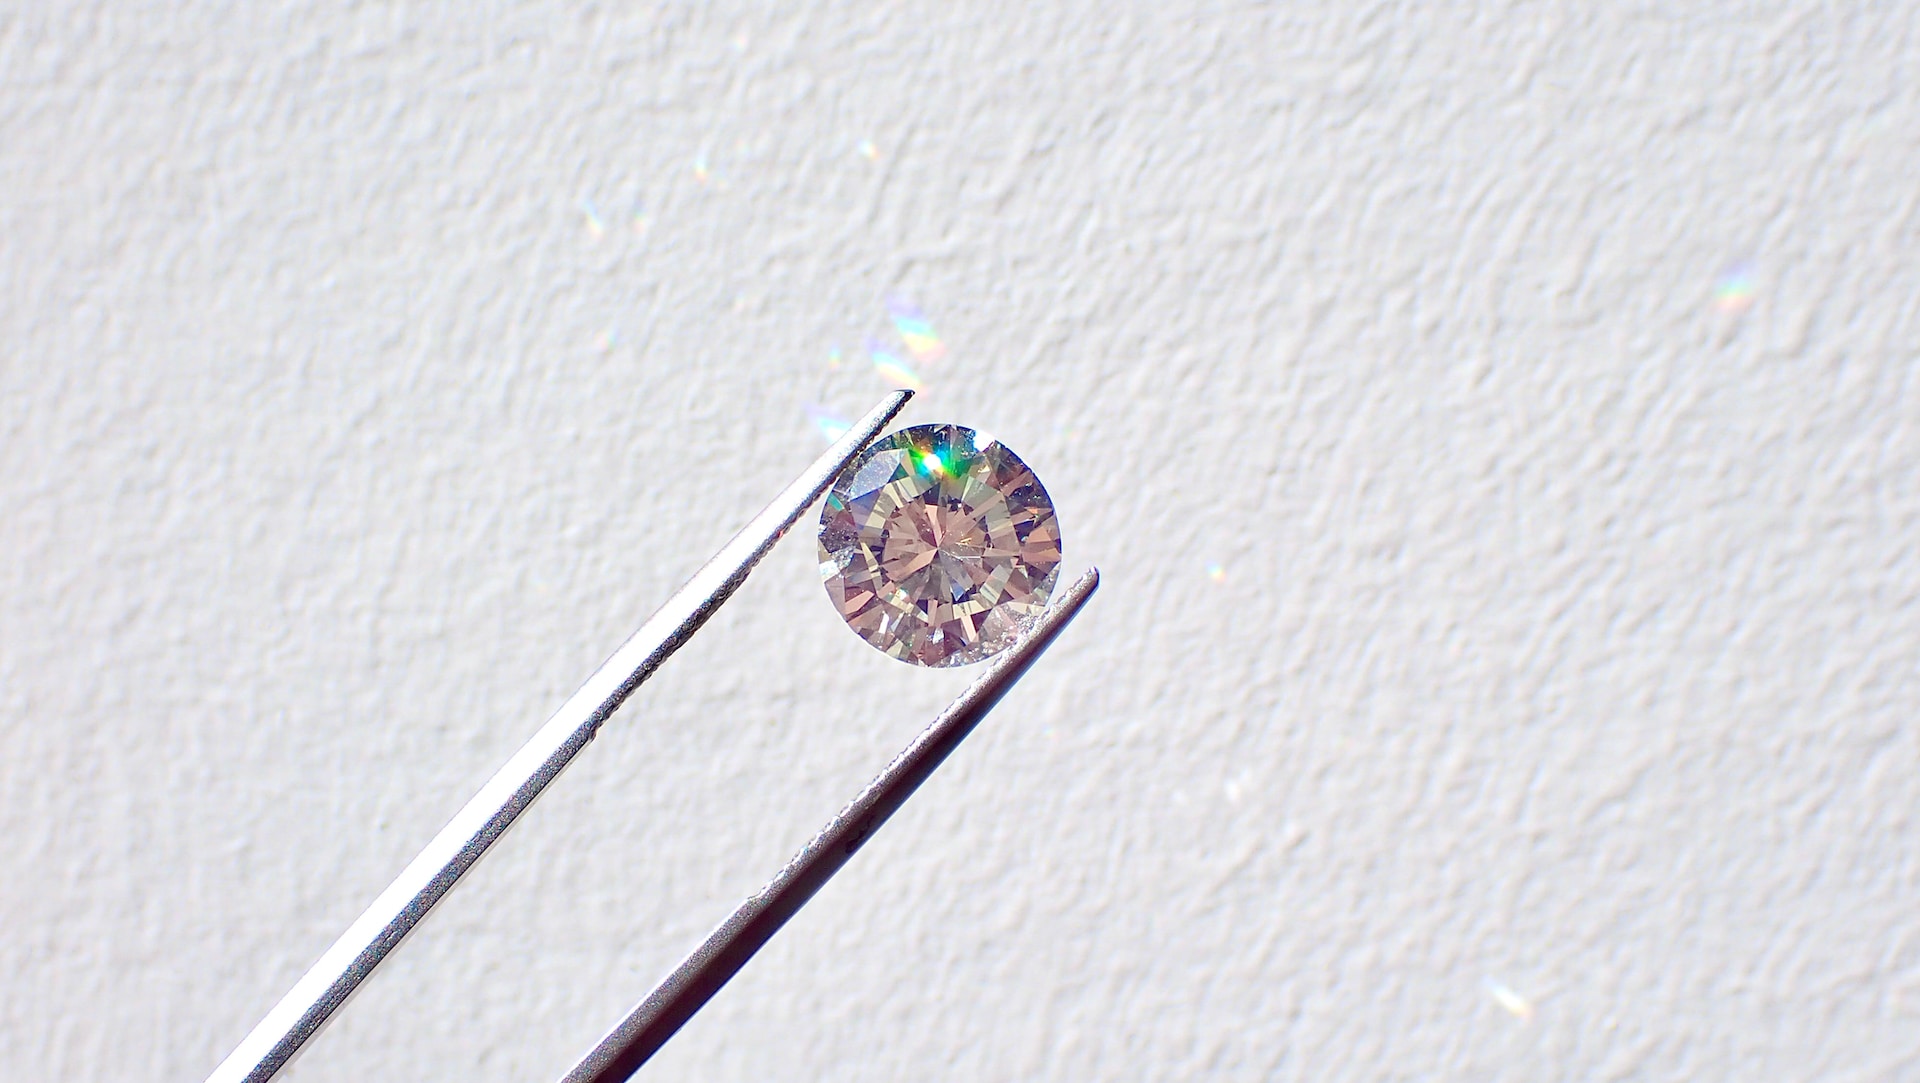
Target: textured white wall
(1562, 647)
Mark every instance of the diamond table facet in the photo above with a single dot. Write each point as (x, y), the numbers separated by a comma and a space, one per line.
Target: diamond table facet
(939, 546)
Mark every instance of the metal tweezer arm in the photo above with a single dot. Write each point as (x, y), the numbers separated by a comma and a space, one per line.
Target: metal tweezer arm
(328, 983)
(645, 1029)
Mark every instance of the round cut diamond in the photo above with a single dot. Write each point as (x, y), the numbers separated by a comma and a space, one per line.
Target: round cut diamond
(939, 546)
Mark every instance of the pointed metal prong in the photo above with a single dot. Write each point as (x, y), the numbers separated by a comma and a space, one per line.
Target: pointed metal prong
(645, 1029)
(325, 987)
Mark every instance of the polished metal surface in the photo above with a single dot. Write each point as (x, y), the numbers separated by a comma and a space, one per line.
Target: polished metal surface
(628, 1045)
(326, 986)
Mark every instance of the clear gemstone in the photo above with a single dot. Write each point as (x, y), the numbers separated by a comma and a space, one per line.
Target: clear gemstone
(939, 546)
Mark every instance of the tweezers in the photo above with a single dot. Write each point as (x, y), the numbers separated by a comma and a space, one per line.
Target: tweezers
(313, 1001)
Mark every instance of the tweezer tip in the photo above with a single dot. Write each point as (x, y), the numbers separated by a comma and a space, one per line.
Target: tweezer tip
(1080, 588)
(869, 426)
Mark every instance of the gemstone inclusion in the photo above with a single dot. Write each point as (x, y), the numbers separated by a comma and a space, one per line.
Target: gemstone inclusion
(936, 549)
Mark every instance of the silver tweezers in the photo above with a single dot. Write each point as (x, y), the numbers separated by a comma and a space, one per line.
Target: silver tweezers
(327, 985)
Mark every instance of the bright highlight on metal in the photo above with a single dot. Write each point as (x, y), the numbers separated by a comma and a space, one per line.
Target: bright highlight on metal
(326, 986)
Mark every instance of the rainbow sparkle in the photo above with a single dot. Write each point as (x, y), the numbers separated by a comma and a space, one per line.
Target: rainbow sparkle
(1217, 572)
(893, 369)
(1516, 1005)
(596, 226)
(828, 423)
(868, 151)
(915, 330)
(1733, 293)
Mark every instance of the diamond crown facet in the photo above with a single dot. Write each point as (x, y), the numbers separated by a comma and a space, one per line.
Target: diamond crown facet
(939, 546)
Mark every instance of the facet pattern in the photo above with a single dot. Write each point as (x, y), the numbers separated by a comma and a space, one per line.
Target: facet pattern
(939, 546)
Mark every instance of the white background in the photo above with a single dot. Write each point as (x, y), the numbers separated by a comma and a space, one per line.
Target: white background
(1496, 424)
